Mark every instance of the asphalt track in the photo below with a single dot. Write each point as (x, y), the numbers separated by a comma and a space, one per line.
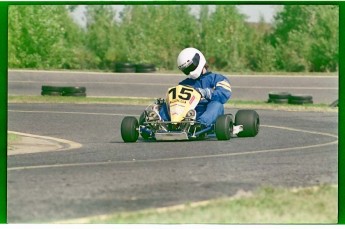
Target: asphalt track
(105, 175)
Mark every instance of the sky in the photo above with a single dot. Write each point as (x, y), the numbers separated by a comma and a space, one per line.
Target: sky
(253, 12)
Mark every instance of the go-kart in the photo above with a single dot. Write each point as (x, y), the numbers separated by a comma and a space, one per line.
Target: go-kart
(181, 101)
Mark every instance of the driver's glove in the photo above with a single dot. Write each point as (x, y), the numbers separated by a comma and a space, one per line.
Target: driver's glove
(205, 93)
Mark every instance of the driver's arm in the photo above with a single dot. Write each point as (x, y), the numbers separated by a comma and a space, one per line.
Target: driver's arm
(222, 89)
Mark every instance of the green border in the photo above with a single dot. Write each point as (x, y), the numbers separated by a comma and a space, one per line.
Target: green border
(3, 112)
(341, 129)
(3, 82)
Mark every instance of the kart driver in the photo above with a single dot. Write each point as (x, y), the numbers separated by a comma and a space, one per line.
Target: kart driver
(214, 88)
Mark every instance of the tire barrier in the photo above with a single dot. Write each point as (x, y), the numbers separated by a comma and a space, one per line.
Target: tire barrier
(143, 68)
(300, 99)
(278, 97)
(132, 68)
(125, 67)
(63, 91)
(287, 98)
(51, 91)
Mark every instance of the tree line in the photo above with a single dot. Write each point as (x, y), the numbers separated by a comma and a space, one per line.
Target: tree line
(302, 38)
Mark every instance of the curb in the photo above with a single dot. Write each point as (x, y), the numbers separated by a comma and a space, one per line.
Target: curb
(30, 143)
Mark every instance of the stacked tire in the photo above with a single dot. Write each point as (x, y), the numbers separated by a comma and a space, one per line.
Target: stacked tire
(144, 68)
(278, 97)
(63, 91)
(132, 68)
(301, 99)
(287, 98)
(51, 91)
(125, 67)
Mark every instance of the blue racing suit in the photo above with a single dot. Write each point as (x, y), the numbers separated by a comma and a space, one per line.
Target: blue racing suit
(208, 109)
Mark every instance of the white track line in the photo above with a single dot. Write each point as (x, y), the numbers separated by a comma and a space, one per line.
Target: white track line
(199, 157)
(71, 144)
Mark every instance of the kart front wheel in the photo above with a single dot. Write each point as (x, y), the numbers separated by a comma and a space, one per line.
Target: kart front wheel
(129, 129)
(142, 119)
(223, 127)
(250, 121)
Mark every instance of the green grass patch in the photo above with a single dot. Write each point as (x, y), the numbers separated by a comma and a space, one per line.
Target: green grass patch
(316, 205)
(11, 139)
(146, 101)
(240, 104)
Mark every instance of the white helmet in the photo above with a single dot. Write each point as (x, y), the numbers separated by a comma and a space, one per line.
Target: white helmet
(191, 62)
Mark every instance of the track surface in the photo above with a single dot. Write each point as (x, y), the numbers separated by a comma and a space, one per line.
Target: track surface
(324, 89)
(107, 175)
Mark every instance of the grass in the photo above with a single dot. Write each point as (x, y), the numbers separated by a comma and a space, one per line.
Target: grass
(286, 107)
(11, 139)
(146, 101)
(315, 205)
(176, 71)
(79, 100)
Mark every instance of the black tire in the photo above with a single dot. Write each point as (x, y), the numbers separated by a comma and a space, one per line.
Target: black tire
(51, 93)
(301, 97)
(250, 121)
(300, 102)
(223, 127)
(129, 129)
(278, 95)
(47, 88)
(125, 67)
(126, 70)
(145, 68)
(74, 89)
(81, 94)
(279, 101)
(141, 122)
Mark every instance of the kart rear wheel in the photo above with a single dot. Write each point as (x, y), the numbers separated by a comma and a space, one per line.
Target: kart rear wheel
(129, 129)
(250, 121)
(223, 127)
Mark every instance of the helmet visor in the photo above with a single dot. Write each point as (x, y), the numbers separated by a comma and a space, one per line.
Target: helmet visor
(192, 66)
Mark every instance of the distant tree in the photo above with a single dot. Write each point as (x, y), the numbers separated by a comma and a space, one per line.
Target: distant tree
(72, 8)
(261, 54)
(14, 35)
(38, 35)
(324, 54)
(306, 38)
(225, 38)
(204, 27)
(102, 35)
(157, 33)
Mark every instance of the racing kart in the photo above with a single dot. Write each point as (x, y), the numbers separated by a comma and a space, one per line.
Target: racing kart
(181, 101)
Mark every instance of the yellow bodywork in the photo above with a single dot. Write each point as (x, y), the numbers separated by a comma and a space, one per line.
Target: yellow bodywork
(180, 100)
